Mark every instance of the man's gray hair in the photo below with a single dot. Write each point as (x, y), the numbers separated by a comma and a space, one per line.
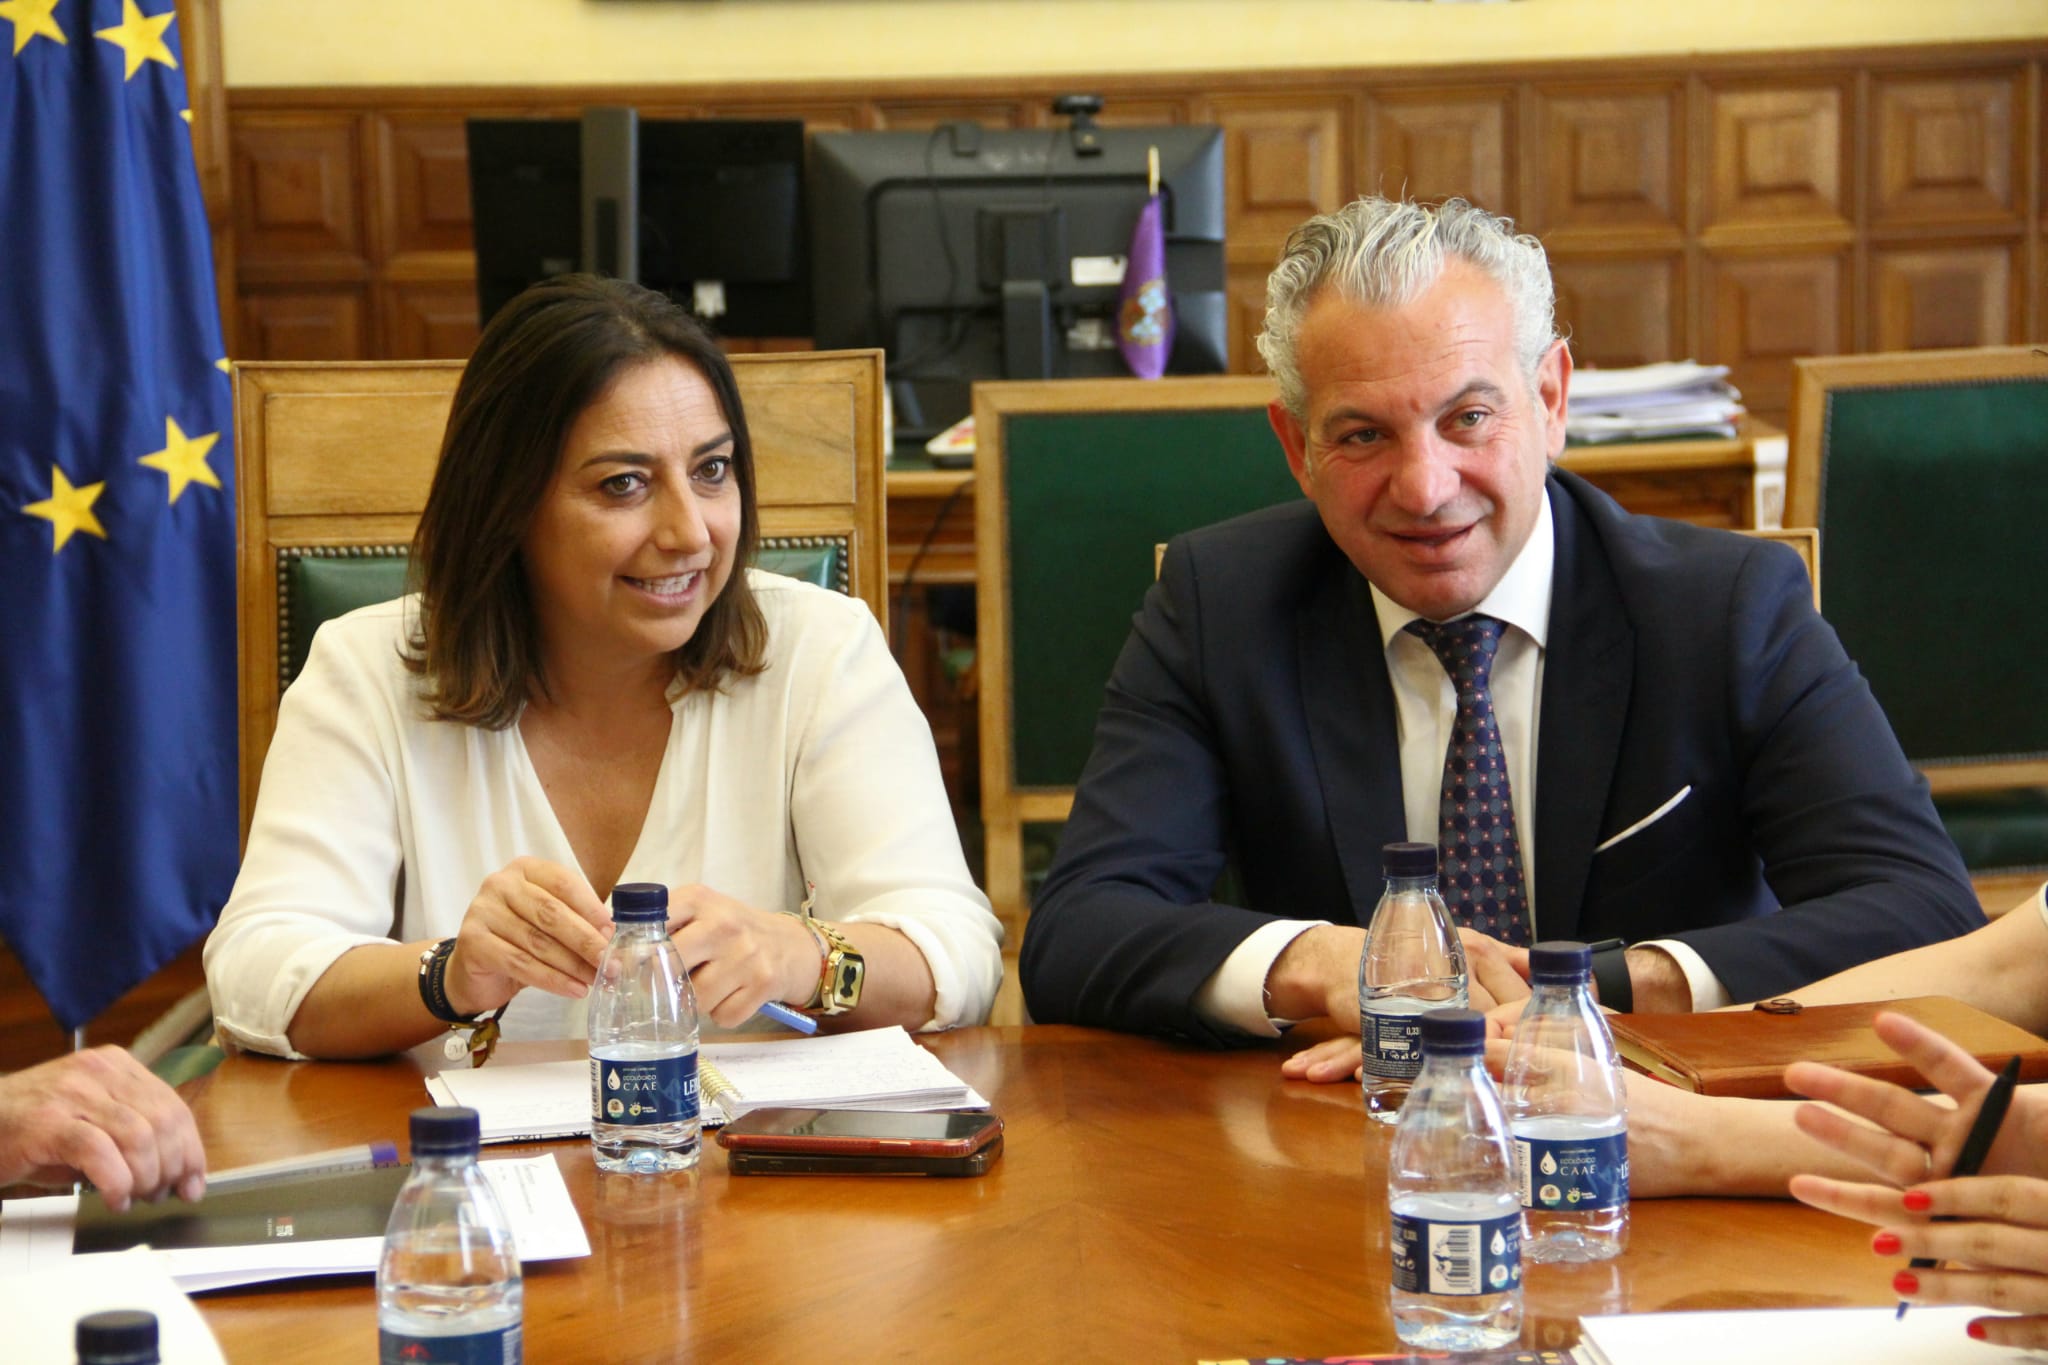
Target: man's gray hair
(1385, 253)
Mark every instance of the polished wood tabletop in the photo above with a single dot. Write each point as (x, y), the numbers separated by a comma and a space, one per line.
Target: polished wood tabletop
(1153, 1203)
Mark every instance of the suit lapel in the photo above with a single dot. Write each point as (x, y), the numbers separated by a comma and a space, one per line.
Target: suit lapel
(1349, 704)
(1588, 672)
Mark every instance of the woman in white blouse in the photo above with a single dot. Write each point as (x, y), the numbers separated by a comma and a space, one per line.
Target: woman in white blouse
(591, 687)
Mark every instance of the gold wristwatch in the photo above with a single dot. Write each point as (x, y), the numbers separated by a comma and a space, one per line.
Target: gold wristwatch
(840, 975)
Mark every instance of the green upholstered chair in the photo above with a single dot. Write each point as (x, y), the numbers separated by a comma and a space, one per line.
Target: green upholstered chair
(1074, 480)
(1927, 474)
(316, 583)
(333, 462)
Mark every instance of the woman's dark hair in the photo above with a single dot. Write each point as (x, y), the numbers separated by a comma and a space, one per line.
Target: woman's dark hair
(545, 357)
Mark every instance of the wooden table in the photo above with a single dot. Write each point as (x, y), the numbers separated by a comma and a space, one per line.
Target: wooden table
(1154, 1203)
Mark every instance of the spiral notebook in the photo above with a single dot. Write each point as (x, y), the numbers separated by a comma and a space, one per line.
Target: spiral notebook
(880, 1068)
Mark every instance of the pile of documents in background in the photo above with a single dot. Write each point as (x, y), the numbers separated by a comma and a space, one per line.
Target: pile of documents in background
(1652, 402)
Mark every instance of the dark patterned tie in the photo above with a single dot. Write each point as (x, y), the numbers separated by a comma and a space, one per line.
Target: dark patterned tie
(1482, 856)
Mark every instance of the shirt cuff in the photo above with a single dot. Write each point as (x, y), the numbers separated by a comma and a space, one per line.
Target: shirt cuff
(1234, 996)
(1707, 991)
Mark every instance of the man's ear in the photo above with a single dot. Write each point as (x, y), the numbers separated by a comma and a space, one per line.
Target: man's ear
(1553, 386)
(1293, 440)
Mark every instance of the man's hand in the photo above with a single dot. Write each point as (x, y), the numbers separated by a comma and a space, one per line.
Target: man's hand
(1657, 982)
(1496, 979)
(100, 1113)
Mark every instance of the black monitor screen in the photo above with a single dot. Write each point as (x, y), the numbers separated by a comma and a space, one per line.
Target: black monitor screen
(934, 245)
(721, 222)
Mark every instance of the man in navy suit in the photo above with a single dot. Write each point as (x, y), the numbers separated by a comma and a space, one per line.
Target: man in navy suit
(1679, 750)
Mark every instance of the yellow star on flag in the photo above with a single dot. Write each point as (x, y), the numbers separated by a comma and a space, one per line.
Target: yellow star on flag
(31, 19)
(68, 509)
(140, 37)
(183, 458)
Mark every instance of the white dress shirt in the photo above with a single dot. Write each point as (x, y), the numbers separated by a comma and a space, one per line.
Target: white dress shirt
(1425, 707)
(821, 766)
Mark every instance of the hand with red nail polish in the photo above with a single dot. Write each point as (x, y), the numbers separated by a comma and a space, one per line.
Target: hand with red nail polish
(1983, 1238)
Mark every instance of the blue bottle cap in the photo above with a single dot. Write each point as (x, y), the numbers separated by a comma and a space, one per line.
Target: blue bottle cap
(639, 901)
(1409, 860)
(124, 1336)
(1453, 1033)
(444, 1131)
(1560, 961)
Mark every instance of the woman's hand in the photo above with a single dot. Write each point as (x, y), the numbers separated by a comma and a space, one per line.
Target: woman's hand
(532, 923)
(1999, 1249)
(738, 956)
(1996, 1254)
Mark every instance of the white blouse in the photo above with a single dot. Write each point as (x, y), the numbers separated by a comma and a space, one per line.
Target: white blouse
(377, 823)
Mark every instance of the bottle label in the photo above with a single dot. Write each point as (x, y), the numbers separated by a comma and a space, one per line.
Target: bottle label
(500, 1347)
(643, 1090)
(1570, 1175)
(1464, 1258)
(1393, 1045)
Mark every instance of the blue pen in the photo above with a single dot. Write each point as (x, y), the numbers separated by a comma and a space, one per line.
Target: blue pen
(787, 1017)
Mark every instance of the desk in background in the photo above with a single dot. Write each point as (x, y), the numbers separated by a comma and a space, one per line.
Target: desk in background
(1153, 1203)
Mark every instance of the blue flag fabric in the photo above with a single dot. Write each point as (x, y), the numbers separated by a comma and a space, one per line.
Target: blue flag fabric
(118, 820)
(1144, 323)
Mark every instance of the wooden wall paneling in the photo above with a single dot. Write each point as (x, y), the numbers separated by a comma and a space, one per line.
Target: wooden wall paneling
(1245, 293)
(1284, 159)
(1435, 143)
(304, 324)
(428, 319)
(1605, 160)
(912, 114)
(1622, 310)
(424, 186)
(1778, 159)
(1931, 296)
(825, 116)
(1764, 310)
(298, 185)
(1947, 148)
(1137, 111)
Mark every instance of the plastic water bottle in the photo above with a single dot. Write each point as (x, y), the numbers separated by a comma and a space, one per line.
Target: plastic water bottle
(1412, 962)
(1568, 1110)
(643, 1042)
(1457, 1227)
(122, 1336)
(448, 1286)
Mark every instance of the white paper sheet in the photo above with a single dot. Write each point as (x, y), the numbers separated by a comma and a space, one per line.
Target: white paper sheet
(36, 1234)
(1792, 1336)
(42, 1307)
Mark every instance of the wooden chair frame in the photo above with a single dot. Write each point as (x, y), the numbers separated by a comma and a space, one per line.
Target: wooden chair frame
(336, 455)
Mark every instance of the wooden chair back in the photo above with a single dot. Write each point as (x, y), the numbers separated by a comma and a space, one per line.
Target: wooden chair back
(333, 462)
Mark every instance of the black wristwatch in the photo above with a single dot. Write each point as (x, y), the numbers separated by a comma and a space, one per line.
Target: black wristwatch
(434, 984)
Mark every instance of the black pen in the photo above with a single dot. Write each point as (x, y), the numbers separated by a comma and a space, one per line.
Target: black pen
(1977, 1146)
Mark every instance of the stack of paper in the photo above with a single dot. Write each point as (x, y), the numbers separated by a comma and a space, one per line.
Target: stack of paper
(1647, 402)
(324, 1225)
(1790, 1336)
(880, 1068)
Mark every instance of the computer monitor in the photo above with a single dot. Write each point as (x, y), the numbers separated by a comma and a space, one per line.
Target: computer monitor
(970, 253)
(717, 204)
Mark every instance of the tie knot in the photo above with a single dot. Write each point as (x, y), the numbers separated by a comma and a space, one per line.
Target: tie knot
(1465, 647)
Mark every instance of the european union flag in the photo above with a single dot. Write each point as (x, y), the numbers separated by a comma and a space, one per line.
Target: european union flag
(118, 817)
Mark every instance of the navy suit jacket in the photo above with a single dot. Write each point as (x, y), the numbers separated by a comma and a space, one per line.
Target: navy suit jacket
(1250, 722)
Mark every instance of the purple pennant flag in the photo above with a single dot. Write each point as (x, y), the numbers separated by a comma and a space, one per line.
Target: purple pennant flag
(1144, 320)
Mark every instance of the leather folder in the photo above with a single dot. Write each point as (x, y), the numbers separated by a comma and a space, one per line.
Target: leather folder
(1745, 1052)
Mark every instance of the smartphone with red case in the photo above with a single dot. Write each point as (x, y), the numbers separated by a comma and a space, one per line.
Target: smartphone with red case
(856, 1141)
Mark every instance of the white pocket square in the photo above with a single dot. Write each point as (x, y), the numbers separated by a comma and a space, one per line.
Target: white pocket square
(1652, 818)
